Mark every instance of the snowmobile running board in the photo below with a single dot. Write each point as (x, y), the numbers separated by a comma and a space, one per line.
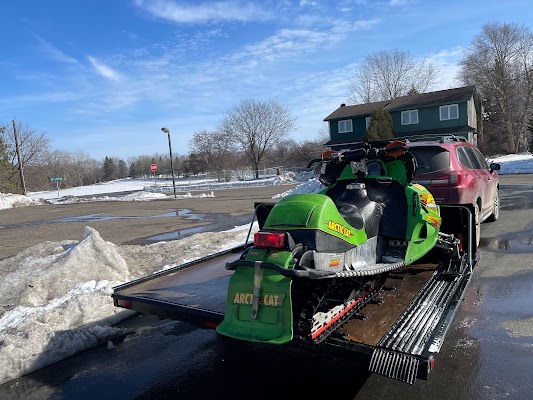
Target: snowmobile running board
(399, 338)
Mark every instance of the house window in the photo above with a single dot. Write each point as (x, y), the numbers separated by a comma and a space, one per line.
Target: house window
(449, 112)
(368, 121)
(410, 117)
(345, 126)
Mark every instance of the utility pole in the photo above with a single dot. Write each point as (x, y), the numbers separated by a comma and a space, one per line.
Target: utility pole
(21, 170)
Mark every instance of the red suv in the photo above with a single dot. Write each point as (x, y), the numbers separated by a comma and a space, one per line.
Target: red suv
(455, 172)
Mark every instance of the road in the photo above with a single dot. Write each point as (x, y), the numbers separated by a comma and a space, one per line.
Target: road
(488, 353)
(130, 222)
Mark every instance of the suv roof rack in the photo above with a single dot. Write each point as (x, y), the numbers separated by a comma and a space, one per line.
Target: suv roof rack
(439, 138)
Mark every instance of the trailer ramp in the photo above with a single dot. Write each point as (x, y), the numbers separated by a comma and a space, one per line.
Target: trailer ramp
(421, 328)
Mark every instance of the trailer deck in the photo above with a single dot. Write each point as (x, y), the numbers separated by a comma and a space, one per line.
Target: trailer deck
(399, 334)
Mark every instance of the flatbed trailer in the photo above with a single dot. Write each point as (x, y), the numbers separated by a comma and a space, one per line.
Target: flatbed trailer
(399, 334)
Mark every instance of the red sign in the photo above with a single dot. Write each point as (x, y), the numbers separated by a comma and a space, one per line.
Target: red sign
(153, 167)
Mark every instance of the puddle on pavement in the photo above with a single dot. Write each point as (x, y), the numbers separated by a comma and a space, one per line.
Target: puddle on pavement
(520, 202)
(218, 222)
(213, 222)
(501, 328)
(103, 217)
(516, 243)
(179, 234)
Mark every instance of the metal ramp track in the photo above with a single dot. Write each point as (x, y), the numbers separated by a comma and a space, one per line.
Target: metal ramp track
(394, 365)
(398, 353)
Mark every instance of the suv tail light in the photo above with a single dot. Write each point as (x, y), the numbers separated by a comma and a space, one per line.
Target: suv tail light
(454, 178)
(274, 240)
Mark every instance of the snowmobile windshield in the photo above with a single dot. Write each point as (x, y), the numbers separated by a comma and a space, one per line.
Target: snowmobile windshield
(327, 174)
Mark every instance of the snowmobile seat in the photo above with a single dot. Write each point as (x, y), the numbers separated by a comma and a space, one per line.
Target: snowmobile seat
(391, 195)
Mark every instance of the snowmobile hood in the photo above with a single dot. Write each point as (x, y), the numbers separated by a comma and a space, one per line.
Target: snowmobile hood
(313, 211)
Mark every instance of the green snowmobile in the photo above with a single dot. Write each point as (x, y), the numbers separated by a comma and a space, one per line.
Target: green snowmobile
(318, 258)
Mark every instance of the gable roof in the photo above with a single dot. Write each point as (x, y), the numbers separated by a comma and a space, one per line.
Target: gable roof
(416, 100)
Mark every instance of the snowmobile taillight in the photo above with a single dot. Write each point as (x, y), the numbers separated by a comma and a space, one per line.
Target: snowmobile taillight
(124, 303)
(275, 240)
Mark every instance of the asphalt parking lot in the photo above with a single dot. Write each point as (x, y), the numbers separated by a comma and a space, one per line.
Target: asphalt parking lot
(132, 222)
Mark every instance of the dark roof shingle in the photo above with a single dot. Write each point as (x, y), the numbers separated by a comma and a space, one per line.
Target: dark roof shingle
(416, 100)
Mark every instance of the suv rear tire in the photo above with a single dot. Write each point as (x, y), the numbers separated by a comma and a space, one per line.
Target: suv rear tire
(496, 209)
(477, 222)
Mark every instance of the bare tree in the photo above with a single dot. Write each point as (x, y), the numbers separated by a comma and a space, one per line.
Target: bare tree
(499, 62)
(34, 145)
(256, 126)
(385, 75)
(217, 150)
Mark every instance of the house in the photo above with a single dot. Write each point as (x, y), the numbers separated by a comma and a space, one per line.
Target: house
(453, 111)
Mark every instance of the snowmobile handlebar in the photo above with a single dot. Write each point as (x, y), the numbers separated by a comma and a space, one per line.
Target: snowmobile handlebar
(391, 149)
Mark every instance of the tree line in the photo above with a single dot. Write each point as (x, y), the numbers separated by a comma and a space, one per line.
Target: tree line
(499, 61)
(40, 163)
(256, 133)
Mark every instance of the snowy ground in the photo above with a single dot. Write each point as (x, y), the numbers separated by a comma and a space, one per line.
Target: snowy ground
(52, 305)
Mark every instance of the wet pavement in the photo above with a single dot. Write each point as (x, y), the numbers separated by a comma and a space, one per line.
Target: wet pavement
(487, 354)
(137, 222)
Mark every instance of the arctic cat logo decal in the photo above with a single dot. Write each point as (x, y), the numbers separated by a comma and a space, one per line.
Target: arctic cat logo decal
(272, 300)
(334, 226)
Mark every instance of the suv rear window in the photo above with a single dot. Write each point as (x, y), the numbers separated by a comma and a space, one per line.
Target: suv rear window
(430, 158)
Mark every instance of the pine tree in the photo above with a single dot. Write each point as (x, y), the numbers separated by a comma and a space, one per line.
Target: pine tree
(380, 126)
(122, 169)
(109, 169)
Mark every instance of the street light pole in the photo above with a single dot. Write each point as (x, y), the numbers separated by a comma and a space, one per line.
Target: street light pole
(167, 131)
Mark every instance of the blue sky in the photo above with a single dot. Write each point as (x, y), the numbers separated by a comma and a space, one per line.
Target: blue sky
(102, 77)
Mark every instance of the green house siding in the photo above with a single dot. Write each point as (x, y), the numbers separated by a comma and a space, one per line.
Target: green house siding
(429, 118)
(357, 134)
(429, 123)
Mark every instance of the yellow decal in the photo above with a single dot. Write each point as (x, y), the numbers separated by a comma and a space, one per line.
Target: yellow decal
(272, 300)
(334, 263)
(428, 200)
(334, 226)
(434, 220)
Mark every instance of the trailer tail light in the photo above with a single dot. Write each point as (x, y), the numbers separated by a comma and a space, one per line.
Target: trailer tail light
(270, 239)
(124, 303)
(454, 178)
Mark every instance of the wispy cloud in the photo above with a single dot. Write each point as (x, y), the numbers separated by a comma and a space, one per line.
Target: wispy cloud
(447, 62)
(308, 3)
(54, 53)
(45, 97)
(394, 3)
(353, 26)
(159, 75)
(103, 70)
(289, 43)
(205, 12)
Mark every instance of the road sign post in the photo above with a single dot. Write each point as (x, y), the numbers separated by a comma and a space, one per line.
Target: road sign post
(153, 168)
(56, 179)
